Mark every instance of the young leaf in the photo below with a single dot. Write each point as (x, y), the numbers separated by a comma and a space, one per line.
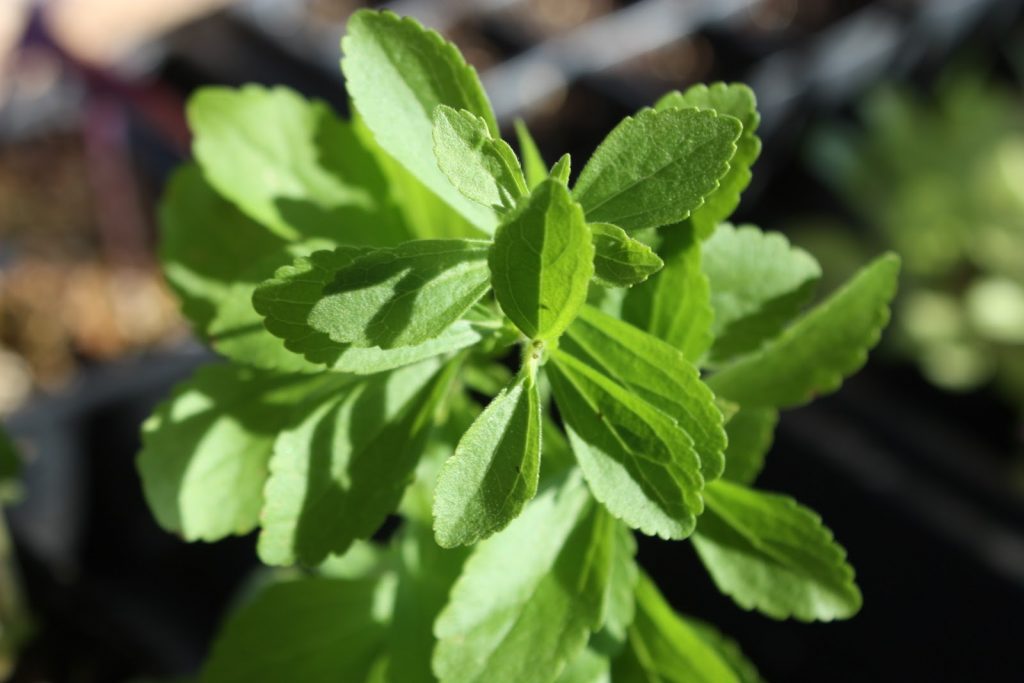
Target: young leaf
(758, 284)
(561, 169)
(329, 484)
(655, 168)
(404, 295)
(637, 461)
(533, 162)
(483, 168)
(750, 437)
(205, 450)
(292, 165)
(664, 648)
(620, 260)
(529, 597)
(771, 554)
(397, 73)
(655, 372)
(312, 630)
(541, 262)
(676, 305)
(733, 99)
(812, 356)
(287, 299)
(494, 470)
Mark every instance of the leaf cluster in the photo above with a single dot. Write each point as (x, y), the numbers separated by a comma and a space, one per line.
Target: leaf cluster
(368, 280)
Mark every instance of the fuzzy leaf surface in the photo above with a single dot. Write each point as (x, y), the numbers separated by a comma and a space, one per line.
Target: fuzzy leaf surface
(404, 295)
(541, 262)
(736, 100)
(637, 461)
(529, 597)
(397, 73)
(286, 300)
(771, 554)
(336, 475)
(657, 373)
(655, 168)
(495, 468)
(813, 356)
(291, 165)
(483, 168)
(205, 450)
(758, 284)
(620, 260)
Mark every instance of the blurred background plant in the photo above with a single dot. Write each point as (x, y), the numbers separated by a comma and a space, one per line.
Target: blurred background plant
(940, 178)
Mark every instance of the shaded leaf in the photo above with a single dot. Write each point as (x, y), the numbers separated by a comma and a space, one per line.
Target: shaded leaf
(620, 260)
(750, 431)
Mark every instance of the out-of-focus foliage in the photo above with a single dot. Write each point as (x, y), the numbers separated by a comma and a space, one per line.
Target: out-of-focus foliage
(941, 180)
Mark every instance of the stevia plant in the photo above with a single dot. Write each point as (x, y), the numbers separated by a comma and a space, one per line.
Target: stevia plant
(419, 321)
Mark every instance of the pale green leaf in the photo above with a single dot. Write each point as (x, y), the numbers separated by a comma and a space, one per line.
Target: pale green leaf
(655, 372)
(727, 649)
(397, 73)
(495, 468)
(750, 431)
(758, 284)
(620, 600)
(620, 260)
(655, 168)
(205, 449)
(733, 99)
(286, 301)
(637, 461)
(812, 356)
(529, 597)
(329, 482)
(664, 648)
(675, 306)
(404, 295)
(771, 554)
(483, 168)
(533, 162)
(561, 169)
(292, 165)
(589, 666)
(311, 630)
(541, 262)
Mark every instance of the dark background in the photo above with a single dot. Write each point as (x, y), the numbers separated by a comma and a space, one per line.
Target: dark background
(916, 483)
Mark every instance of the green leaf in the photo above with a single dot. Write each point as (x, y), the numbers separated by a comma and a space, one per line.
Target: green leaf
(676, 305)
(404, 295)
(771, 554)
(733, 99)
(638, 462)
(533, 162)
(483, 168)
(205, 450)
(329, 484)
(291, 165)
(425, 578)
(589, 666)
(287, 299)
(812, 356)
(561, 169)
(397, 73)
(529, 597)
(495, 468)
(750, 437)
(655, 168)
(664, 648)
(620, 260)
(620, 599)
(10, 463)
(541, 262)
(312, 630)
(727, 649)
(758, 284)
(656, 373)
